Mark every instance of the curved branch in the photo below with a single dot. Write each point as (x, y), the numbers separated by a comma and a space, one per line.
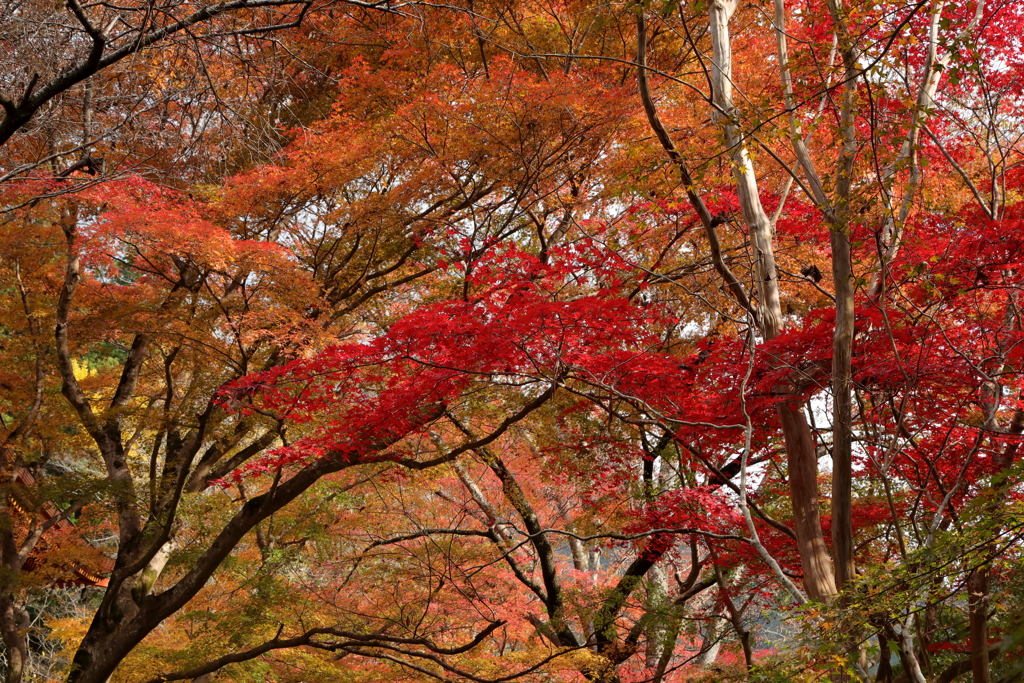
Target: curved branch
(709, 223)
(279, 643)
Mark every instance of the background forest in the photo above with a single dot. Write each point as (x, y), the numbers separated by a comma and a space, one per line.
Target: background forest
(495, 340)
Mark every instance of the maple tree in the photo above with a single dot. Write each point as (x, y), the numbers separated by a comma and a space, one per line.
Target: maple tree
(516, 350)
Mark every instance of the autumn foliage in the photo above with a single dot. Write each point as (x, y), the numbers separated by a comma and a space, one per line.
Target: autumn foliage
(542, 341)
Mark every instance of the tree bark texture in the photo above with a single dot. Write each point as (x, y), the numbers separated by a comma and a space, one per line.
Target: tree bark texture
(800, 449)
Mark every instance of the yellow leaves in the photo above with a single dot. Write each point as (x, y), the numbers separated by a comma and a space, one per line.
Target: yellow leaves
(69, 631)
(82, 369)
(598, 667)
(975, 418)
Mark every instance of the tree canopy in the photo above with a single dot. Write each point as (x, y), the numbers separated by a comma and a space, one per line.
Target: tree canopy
(497, 341)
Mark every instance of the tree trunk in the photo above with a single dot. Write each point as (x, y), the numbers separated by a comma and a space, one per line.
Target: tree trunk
(13, 625)
(800, 450)
(803, 487)
(120, 624)
(884, 673)
(977, 603)
(710, 644)
(842, 410)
